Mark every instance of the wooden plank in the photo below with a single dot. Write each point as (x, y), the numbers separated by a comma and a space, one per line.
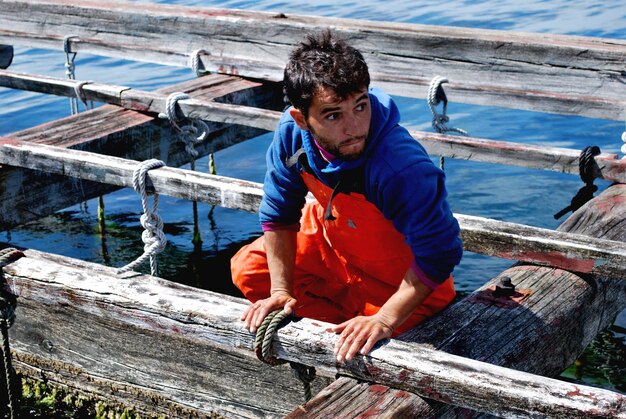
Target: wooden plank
(491, 237)
(109, 130)
(608, 166)
(542, 333)
(6, 56)
(157, 307)
(109, 341)
(543, 72)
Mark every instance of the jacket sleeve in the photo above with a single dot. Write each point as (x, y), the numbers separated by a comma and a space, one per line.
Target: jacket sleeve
(284, 190)
(414, 199)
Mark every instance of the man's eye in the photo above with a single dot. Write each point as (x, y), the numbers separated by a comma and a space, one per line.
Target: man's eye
(332, 116)
(361, 107)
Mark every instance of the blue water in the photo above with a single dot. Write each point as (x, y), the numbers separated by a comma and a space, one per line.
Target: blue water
(504, 193)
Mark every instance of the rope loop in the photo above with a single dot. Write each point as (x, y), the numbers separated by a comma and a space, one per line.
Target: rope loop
(586, 163)
(153, 237)
(192, 133)
(80, 93)
(437, 95)
(196, 63)
(264, 336)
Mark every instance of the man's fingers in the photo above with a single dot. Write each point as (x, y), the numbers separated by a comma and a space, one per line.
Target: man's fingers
(371, 341)
(290, 306)
(357, 343)
(339, 328)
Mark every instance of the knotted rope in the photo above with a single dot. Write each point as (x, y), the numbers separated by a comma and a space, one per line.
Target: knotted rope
(196, 63)
(586, 165)
(437, 95)
(194, 132)
(7, 317)
(263, 343)
(152, 236)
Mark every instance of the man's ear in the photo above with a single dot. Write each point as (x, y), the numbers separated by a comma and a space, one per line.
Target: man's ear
(299, 118)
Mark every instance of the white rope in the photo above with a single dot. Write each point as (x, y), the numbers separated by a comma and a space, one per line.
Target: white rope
(69, 69)
(153, 237)
(437, 95)
(196, 63)
(80, 94)
(191, 134)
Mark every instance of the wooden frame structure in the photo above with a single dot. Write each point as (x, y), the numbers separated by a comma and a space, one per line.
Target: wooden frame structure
(571, 272)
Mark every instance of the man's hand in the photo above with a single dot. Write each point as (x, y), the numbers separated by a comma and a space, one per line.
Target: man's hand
(254, 315)
(360, 334)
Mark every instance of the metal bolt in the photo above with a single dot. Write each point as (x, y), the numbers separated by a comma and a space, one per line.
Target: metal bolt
(504, 288)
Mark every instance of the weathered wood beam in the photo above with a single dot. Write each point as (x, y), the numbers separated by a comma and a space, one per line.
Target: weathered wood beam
(112, 130)
(543, 329)
(543, 72)
(6, 56)
(161, 348)
(607, 166)
(142, 101)
(190, 315)
(513, 241)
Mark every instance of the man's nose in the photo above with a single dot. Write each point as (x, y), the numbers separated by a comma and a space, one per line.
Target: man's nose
(351, 126)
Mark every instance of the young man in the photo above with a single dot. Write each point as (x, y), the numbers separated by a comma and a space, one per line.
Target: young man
(374, 253)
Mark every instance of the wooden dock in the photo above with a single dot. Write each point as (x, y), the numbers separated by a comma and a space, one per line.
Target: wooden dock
(162, 348)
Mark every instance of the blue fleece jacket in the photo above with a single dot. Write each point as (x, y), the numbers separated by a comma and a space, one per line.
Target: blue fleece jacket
(400, 180)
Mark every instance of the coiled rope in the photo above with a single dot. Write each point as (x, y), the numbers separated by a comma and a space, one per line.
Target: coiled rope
(153, 237)
(263, 343)
(7, 318)
(586, 169)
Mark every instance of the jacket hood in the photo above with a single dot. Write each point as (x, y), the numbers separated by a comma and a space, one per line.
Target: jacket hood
(385, 116)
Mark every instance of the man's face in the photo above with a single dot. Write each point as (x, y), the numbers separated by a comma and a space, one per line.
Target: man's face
(339, 126)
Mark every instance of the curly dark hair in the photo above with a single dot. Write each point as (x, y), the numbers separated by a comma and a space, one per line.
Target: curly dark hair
(322, 60)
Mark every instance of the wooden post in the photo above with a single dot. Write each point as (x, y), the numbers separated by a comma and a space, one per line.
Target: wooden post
(6, 56)
(557, 314)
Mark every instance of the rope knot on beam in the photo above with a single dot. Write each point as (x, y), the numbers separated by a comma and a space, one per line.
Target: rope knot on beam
(192, 133)
(153, 237)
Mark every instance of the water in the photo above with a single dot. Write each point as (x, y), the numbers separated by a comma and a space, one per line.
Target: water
(504, 193)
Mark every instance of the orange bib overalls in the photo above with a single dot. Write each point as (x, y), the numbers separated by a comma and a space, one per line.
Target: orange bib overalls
(345, 267)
